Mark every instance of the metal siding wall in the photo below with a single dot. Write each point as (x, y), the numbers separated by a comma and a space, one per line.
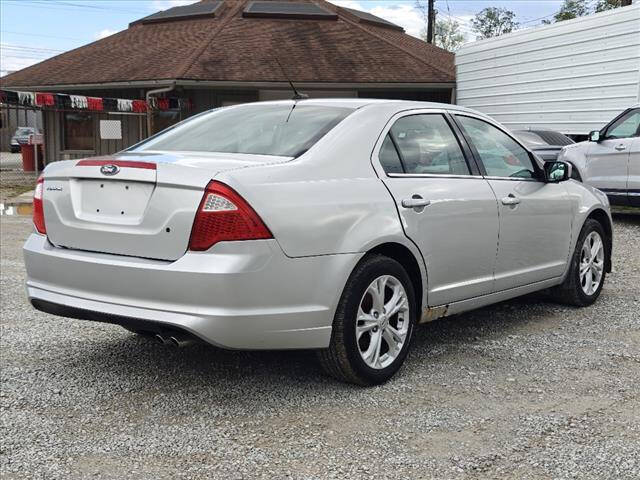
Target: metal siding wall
(574, 76)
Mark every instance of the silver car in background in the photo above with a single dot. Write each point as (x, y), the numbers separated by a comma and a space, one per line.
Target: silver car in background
(21, 137)
(610, 159)
(546, 144)
(334, 225)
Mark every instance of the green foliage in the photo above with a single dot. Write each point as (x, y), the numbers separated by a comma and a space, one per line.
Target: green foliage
(603, 5)
(448, 35)
(494, 21)
(572, 9)
(578, 8)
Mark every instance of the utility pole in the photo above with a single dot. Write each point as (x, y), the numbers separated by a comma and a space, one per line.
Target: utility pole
(431, 20)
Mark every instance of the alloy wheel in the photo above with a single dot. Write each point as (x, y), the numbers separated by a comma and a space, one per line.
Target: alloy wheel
(591, 263)
(383, 322)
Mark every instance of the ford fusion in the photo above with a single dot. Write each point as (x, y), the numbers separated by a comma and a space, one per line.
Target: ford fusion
(333, 225)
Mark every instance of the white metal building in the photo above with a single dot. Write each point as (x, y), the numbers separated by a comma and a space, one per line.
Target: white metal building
(572, 76)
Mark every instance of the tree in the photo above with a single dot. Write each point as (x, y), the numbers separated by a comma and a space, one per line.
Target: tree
(570, 9)
(603, 5)
(494, 21)
(448, 35)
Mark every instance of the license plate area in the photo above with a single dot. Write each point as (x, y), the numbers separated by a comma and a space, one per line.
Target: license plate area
(111, 201)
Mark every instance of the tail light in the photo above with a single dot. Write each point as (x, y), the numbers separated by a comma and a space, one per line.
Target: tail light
(38, 210)
(223, 215)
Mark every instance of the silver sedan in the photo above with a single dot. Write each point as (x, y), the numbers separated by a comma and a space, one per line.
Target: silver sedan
(334, 225)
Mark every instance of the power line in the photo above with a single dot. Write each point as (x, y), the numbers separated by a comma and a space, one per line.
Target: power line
(25, 57)
(29, 34)
(8, 46)
(540, 18)
(51, 5)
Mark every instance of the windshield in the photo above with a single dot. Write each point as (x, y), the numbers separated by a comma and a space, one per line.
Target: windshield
(24, 131)
(283, 130)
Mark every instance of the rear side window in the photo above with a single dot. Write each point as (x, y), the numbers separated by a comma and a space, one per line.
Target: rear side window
(389, 158)
(501, 155)
(427, 145)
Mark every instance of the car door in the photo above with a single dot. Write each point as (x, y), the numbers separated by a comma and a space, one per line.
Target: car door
(535, 217)
(447, 209)
(633, 185)
(608, 160)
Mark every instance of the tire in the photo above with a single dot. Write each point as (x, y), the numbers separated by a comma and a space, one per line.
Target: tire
(343, 359)
(572, 291)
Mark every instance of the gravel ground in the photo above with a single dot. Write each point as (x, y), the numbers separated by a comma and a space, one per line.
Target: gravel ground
(525, 389)
(13, 180)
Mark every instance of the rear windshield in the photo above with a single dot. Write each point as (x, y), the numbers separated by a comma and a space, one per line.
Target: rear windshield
(282, 130)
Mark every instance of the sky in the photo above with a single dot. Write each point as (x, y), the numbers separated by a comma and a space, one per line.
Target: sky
(33, 30)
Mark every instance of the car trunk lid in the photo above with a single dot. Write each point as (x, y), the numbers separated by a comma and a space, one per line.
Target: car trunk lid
(140, 205)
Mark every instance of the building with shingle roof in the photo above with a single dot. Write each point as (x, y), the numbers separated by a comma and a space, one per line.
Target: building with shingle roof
(220, 52)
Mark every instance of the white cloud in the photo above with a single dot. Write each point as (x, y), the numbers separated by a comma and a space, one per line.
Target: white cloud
(405, 15)
(14, 64)
(15, 57)
(104, 33)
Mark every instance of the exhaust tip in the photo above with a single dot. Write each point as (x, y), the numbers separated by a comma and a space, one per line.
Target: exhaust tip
(160, 338)
(175, 342)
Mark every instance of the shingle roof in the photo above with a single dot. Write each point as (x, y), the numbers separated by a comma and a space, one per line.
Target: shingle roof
(230, 47)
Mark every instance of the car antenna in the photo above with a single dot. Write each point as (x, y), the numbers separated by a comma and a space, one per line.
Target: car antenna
(296, 95)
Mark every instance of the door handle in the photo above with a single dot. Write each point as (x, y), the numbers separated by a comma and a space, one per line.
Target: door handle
(415, 202)
(510, 199)
(621, 147)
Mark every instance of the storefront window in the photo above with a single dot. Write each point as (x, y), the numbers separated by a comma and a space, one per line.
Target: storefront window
(79, 132)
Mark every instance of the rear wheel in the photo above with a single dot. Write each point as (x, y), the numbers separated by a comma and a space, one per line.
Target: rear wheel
(373, 324)
(587, 272)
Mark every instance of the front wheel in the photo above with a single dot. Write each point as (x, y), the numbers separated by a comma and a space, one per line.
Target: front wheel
(587, 271)
(373, 324)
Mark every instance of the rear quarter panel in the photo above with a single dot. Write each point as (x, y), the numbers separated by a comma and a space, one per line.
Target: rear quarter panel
(329, 200)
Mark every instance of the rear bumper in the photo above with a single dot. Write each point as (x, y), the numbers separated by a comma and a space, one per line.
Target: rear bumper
(239, 295)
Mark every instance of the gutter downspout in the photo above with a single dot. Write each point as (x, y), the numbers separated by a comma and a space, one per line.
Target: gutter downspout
(148, 98)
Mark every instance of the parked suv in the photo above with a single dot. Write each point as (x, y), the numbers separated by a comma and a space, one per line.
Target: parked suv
(610, 159)
(21, 137)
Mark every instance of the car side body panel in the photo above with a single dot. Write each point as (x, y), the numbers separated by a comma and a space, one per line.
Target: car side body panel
(326, 209)
(330, 200)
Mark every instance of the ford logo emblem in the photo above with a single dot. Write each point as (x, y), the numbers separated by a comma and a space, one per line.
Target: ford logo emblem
(109, 169)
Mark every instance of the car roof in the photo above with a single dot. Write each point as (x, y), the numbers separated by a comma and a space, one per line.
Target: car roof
(397, 105)
(364, 102)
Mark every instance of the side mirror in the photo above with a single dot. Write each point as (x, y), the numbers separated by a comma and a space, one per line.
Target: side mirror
(555, 172)
(594, 136)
